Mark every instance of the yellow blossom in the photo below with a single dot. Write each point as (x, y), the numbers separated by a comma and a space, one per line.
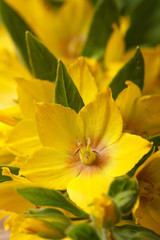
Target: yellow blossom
(141, 114)
(148, 206)
(83, 152)
(66, 29)
(105, 211)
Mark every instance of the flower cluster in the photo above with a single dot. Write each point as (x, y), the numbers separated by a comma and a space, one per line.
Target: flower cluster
(80, 119)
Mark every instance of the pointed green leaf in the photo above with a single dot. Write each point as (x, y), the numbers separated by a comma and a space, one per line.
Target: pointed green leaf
(45, 213)
(106, 14)
(48, 197)
(14, 170)
(42, 61)
(17, 28)
(145, 24)
(133, 71)
(125, 191)
(133, 232)
(82, 231)
(66, 93)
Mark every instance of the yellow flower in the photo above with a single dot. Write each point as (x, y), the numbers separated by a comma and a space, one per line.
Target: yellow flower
(141, 114)
(105, 211)
(23, 139)
(83, 152)
(66, 29)
(148, 207)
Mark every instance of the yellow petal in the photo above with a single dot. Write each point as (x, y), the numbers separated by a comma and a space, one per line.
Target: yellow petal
(63, 36)
(30, 91)
(148, 215)
(122, 156)
(150, 169)
(83, 79)
(115, 47)
(23, 139)
(59, 127)
(50, 168)
(6, 157)
(17, 234)
(10, 116)
(102, 120)
(126, 100)
(10, 199)
(145, 119)
(90, 184)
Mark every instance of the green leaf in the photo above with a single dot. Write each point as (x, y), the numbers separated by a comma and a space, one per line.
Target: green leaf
(155, 139)
(48, 197)
(133, 70)
(16, 27)
(66, 92)
(125, 191)
(52, 218)
(82, 231)
(42, 61)
(14, 170)
(144, 32)
(133, 232)
(106, 13)
(125, 5)
(45, 213)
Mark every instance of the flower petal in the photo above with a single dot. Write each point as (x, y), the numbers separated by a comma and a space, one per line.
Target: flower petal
(50, 168)
(59, 127)
(147, 214)
(83, 79)
(23, 139)
(124, 154)
(90, 184)
(30, 91)
(10, 199)
(145, 119)
(126, 100)
(102, 120)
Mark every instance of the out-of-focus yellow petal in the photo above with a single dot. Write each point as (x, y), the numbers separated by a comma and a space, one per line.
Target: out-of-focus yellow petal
(122, 155)
(17, 234)
(5, 40)
(90, 184)
(23, 139)
(10, 116)
(6, 157)
(83, 79)
(147, 208)
(145, 119)
(115, 47)
(102, 120)
(126, 100)
(59, 127)
(10, 199)
(50, 168)
(63, 36)
(150, 170)
(30, 91)
(148, 215)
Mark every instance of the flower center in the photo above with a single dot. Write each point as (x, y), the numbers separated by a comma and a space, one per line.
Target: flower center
(87, 156)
